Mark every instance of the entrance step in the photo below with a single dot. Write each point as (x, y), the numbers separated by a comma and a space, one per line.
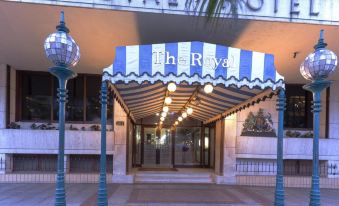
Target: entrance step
(173, 177)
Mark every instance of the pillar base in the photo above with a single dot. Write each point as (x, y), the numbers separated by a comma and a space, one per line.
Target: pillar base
(6, 163)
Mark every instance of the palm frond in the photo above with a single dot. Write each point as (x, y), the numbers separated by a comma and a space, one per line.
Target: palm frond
(214, 8)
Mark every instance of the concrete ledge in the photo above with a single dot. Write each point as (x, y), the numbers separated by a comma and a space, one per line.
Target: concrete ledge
(225, 180)
(123, 179)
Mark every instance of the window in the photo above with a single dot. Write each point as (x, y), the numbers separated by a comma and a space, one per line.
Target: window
(298, 108)
(39, 101)
(36, 96)
(93, 105)
(93, 87)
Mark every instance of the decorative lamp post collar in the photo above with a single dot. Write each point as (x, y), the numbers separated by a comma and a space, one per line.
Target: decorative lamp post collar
(62, 26)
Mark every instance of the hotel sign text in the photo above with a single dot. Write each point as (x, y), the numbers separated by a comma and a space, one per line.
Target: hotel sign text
(194, 59)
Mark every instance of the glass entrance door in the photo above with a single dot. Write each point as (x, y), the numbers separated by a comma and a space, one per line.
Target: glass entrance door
(157, 147)
(188, 146)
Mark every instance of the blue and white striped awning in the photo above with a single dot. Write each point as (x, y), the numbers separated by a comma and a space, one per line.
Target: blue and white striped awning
(194, 62)
(140, 73)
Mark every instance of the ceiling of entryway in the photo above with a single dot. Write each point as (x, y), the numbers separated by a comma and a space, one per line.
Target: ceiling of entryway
(25, 26)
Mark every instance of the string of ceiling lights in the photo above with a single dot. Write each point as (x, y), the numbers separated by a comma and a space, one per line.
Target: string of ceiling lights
(186, 110)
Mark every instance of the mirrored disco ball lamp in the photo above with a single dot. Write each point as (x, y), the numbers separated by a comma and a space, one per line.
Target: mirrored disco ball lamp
(319, 64)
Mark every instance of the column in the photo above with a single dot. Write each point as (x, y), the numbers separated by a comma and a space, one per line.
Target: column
(3, 95)
(334, 111)
(6, 163)
(226, 132)
(217, 152)
(120, 146)
(67, 163)
(333, 126)
(230, 134)
(12, 94)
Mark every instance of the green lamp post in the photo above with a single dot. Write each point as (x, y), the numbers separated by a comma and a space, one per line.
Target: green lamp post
(61, 49)
(102, 190)
(316, 68)
(279, 195)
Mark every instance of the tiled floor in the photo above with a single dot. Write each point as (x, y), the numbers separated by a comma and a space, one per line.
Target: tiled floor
(158, 194)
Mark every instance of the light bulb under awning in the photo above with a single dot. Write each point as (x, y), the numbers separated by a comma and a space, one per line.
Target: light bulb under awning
(168, 100)
(189, 110)
(171, 87)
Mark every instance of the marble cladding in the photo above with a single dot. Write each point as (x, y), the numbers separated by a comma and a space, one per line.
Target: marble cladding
(46, 141)
(294, 148)
(229, 159)
(120, 141)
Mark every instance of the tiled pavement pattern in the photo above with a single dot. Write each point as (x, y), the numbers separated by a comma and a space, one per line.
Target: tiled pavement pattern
(158, 195)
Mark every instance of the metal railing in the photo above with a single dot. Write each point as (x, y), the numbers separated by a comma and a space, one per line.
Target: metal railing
(42, 168)
(296, 174)
(290, 169)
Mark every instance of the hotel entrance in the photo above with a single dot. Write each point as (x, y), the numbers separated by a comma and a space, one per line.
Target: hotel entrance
(178, 147)
(175, 98)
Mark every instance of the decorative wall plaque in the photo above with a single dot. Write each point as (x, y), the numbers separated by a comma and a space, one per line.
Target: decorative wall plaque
(260, 125)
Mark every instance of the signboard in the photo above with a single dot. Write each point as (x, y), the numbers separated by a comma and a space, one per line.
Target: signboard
(120, 123)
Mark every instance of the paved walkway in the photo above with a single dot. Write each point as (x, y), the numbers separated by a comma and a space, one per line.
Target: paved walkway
(158, 194)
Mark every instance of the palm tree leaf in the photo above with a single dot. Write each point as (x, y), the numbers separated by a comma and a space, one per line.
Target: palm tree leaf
(214, 8)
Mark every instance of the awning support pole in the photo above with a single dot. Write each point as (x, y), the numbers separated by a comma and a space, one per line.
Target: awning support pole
(102, 192)
(279, 185)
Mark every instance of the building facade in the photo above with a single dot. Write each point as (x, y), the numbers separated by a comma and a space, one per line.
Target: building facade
(217, 150)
